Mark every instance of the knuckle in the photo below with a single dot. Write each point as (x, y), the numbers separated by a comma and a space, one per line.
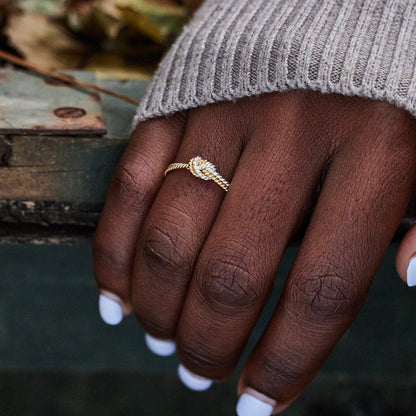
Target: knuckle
(206, 363)
(105, 254)
(227, 281)
(282, 370)
(156, 325)
(285, 372)
(165, 251)
(127, 183)
(324, 291)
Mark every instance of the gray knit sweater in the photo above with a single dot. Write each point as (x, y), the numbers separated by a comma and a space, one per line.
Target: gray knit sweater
(238, 48)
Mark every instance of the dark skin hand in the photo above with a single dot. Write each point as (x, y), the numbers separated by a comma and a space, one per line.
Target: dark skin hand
(196, 264)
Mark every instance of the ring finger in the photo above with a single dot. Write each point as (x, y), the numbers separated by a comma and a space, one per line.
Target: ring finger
(180, 219)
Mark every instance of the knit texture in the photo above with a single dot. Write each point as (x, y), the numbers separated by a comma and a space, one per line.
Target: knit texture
(239, 48)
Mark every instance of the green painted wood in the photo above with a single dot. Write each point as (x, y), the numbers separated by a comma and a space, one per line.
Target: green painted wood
(119, 114)
(58, 358)
(31, 103)
(128, 393)
(61, 181)
(61, 153)
(48, 295)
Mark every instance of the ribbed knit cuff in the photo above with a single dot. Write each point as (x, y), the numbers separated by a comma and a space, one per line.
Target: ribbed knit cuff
(238, 48)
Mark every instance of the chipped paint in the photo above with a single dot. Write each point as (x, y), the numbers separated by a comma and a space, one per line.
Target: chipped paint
(30, 104)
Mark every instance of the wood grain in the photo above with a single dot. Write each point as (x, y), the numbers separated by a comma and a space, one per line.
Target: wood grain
(52, 188)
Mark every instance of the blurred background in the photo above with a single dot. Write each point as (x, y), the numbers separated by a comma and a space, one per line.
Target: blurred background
(123, 38)
(56, 356)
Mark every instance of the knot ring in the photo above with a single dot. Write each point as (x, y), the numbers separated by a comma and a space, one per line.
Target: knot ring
(202, 169)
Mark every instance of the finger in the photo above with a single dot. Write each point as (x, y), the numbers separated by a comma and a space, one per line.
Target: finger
(180, 218)
(133, 187)
(236, 267)
(406, 258)
(363, 199)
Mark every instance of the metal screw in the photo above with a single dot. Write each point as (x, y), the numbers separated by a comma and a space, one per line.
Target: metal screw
(69, 112)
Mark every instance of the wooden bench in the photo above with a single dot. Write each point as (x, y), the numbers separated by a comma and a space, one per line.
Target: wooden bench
(55, 353)
(55, 166)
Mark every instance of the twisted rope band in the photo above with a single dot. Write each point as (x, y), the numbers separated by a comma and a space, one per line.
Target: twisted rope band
(201, 169)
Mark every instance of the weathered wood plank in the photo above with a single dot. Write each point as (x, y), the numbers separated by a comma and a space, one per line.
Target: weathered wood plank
(63, 153)
(119, 114)
(52, 188)
(30, 103)
(54, 184)
(73, 173)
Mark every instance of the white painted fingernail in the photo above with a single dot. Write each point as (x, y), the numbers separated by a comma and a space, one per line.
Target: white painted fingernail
(160, 346)
(192, 381)
(111, 312)
(249, 405)
(411, 272)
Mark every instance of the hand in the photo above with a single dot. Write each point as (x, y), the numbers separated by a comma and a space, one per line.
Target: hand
(196, 264)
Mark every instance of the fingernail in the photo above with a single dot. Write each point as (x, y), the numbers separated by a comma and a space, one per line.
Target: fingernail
(249, 405)
(411, 272)
(160, 346)
(192, 381)
(111, 311)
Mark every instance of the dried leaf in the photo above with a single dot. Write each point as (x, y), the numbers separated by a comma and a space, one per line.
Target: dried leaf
(111, 65)
(99, 19)
(161, 20)
(44, 42)
(7, 7)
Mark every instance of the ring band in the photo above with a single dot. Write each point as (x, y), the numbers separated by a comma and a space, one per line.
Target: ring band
(202, 169)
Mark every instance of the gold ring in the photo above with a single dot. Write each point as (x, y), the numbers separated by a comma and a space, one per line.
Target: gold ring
(201, 168)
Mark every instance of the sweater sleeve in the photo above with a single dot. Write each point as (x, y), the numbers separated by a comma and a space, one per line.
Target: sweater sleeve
(239, 48)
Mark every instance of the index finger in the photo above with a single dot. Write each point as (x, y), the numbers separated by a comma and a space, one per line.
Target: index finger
(133, 187)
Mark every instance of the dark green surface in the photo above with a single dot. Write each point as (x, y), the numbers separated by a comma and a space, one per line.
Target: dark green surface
(58, 358)
(125, 394)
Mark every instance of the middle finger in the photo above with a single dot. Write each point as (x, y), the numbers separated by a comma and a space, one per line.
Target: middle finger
(237, 265)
